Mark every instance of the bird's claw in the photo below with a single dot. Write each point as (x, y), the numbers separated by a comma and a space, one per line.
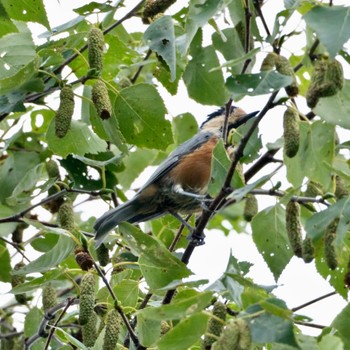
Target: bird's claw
(196, 239)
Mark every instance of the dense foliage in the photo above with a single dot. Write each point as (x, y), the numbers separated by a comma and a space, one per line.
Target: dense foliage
(111, 123)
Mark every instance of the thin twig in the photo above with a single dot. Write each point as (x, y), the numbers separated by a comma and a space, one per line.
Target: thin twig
(312, 325)
(134, 78)
(313, 301)
(133, 336)
(260, 14)
(54, 326)
(299, 199)
(49, 315)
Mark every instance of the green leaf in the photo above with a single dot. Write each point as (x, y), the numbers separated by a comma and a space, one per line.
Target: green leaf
(36, 283)
(32, 321)
(240, 193)
(14, 169)
(140, 112)
(147, 330)
(135, 162)
(159, 267)
(253, 146)
(341, 324)
(269, 328)
(316, 225)
(6, 25)
(27, 11)
(185, 126)
(68, 338)
(26, 185)
(180, 307)
(257, 84)
(334, 277)
(185, 333)
(336, 32)
(316, 150)
(224, 42)
(5, 263)
(220, 165)
(330, 341)
(270, 237)
(127, 292)
(340, 102)
(199, 14)
(19, 61)
(52, 258)
(8, 227)
(79, 140)
(93, 7)
(205, 86)
(228, 285)
(160, 36)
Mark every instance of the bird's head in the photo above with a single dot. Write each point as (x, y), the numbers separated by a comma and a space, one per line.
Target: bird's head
(215, 121)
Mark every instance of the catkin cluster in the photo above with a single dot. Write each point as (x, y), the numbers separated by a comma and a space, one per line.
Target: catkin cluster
(65, 111)
(283, 66)
(326, 80)
(291, 132)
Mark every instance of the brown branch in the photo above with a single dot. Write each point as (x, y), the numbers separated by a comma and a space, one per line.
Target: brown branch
(297, 308)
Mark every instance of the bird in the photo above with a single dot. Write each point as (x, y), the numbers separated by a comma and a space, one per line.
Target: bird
(179, 184)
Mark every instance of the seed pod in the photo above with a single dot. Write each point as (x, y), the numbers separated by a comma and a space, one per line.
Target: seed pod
(164, 327)
(87, 297)
(17, 280)
(102, 253)
(335, 74)
(245, 338)
(113, 324)
(65, 112)
(229, 337)
(293, 227)
(291, 132)
(52, 169)
(89, 331)
(84, 259)
(54, 205)
(329, 250)
(313, 189)
(49, 297)
(154, 7)
(317, 79)
(101, 100)
(66, 215)
(340, 188)
(95, 50)
(17, 234)
(326, 80)
(308, 250)
(250, 207)
(239, 171)
(215, 326)
(6, 327)
(269, 62)
(284, 67)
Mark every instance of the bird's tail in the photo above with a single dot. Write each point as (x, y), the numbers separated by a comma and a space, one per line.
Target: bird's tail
(132, 211)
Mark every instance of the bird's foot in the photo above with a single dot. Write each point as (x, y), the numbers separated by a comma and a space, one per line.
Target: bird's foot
(196, 239)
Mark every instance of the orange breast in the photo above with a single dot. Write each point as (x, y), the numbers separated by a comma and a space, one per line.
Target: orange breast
(193, 171)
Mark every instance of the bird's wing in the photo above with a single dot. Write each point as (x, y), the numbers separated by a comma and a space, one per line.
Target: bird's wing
(179, 152)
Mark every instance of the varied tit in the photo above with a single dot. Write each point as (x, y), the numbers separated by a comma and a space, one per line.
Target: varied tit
(180, 182)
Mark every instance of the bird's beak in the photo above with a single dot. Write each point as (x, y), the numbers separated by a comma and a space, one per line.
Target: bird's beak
(242, 120)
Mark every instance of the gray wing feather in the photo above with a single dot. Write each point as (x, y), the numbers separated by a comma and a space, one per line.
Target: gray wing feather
(179, 152)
